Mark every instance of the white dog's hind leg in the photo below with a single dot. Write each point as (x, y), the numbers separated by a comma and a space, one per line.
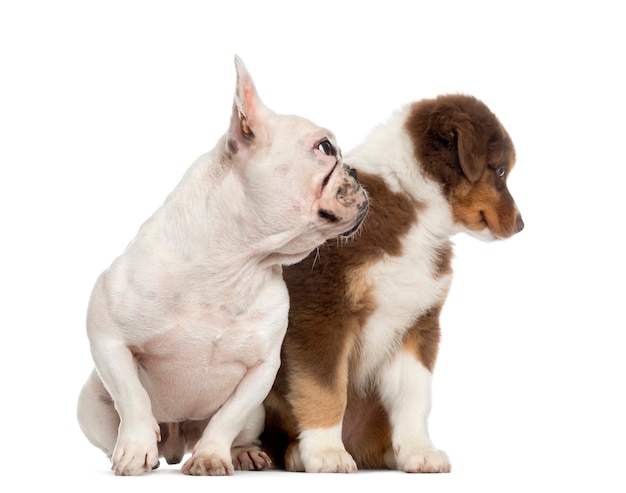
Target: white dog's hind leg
(246, 452)
(97, 416)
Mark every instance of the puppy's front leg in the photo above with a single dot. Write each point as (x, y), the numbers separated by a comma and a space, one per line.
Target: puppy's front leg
(319, 406)
(405, 390)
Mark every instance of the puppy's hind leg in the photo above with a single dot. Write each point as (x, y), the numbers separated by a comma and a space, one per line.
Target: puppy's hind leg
(246, 451)
(97, 416)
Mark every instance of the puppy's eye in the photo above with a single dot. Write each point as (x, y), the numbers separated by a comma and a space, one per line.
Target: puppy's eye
(327, 148)
(501, 172)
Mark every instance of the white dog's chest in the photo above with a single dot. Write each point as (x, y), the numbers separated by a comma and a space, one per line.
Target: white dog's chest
(189, 372)
(192, 356)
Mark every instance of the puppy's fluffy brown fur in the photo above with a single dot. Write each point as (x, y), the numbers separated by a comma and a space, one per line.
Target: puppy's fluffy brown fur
(354, 388)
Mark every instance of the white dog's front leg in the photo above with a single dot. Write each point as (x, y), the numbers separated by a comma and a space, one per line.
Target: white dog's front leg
(136, 448)
(405, 388)
(212, 453)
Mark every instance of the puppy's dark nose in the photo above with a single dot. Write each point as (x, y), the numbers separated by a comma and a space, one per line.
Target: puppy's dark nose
(352, 172)
(519, 223)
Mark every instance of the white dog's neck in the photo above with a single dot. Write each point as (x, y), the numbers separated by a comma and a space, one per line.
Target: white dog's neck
(209, 212)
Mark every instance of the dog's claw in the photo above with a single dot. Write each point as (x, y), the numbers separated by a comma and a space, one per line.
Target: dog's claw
(424, 461)
(250, 459)
(207, 465)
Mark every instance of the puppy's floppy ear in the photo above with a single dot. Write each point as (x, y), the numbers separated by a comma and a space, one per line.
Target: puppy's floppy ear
(248, 109)
(472, 151)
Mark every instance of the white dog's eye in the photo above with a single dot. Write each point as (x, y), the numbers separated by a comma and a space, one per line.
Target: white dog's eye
(327, 148)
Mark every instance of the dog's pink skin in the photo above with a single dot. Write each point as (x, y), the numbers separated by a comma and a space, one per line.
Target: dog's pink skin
(186, 325)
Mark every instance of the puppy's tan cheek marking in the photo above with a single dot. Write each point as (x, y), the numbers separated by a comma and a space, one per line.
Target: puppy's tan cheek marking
(468, 204)
(472, 206)
(317, 406)
(468, 216)
(494, 208)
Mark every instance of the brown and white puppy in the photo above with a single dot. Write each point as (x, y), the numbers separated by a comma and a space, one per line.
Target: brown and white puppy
(354, 388)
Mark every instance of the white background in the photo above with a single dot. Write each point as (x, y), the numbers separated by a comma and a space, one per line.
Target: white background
(103, 105)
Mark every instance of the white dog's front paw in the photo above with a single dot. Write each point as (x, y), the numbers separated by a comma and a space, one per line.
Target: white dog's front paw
(208, 464)
(422, 460)
(136, 451)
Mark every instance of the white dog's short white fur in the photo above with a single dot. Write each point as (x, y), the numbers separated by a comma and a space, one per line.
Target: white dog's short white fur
(186, 325)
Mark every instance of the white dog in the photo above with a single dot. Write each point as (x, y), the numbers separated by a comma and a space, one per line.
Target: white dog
(186, 325)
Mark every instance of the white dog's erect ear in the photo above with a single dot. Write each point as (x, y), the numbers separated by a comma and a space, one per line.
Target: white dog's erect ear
(248, 108)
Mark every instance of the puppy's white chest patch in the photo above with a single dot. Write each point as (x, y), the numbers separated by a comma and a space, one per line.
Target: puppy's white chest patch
(404, 287)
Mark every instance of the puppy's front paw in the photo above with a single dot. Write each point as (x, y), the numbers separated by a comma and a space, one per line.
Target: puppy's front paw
(422, 460)
(136, 450)
(250, 458)
(328, 460)
(208, 465)
(337, 460)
